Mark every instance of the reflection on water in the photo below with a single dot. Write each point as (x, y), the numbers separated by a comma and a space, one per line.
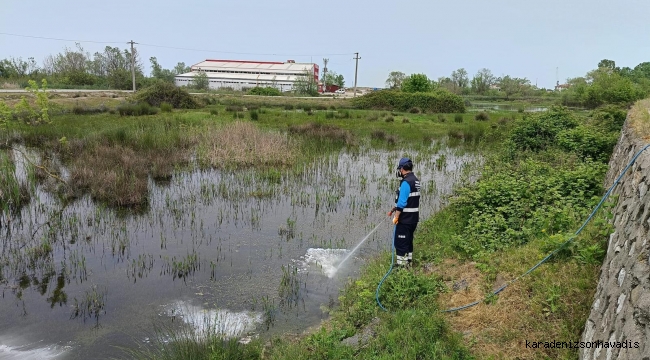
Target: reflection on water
(244, 248)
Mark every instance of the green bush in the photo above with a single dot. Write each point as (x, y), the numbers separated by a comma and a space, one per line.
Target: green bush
(166, 107)
(513, 202)
(140, 109)
(538, 132)
(458, 118)
(482, 116)
(442, 118)
(254, 115)
(588, 142)
(265, 91)
(160, 92)
(440, 101)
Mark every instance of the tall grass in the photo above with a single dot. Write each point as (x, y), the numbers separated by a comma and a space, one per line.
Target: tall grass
(242, 144)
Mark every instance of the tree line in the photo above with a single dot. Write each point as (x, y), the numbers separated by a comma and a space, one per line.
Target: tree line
(607, 84)
(75, 67)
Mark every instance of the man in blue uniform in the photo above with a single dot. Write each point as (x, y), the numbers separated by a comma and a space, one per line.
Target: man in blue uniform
(406, 212)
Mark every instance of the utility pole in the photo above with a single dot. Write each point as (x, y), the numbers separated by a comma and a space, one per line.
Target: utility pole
(325, 61)
(132, 64)
(356, 70)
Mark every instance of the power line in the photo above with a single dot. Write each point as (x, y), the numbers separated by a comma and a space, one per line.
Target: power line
(59, 39)
(170, 47)
(239, 53)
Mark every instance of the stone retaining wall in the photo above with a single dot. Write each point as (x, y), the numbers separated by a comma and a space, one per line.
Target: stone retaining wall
(621, 308)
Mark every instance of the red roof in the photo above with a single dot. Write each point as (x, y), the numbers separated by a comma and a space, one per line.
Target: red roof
(247, 61)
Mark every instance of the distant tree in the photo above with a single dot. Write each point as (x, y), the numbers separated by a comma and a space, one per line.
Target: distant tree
(201, 81)
(460, 80)
(642, 70)
(482, 81)
(446, 83)
(157, 71)
(180, 68)
(13, 68)
(608, 64)
(513, 85)
(416, 83)
(332, 78)
(395, 79)
(305, 84)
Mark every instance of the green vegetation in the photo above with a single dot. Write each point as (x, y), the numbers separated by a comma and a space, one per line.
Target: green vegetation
(264, 91)
(435, 102)
(161, 92)
(543, 173)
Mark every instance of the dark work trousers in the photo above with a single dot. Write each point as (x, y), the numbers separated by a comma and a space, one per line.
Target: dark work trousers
(404, 238)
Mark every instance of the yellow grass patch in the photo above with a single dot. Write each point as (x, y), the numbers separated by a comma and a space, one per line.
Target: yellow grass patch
(243, 144)
(640, 118)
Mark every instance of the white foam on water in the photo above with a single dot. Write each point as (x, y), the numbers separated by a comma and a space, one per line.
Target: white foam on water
(219, 322)
(29, 352)
(326, 259)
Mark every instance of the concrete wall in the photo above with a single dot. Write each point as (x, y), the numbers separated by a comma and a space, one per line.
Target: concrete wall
(621, 308)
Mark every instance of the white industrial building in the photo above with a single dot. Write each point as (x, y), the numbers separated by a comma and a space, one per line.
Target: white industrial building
(243, 74)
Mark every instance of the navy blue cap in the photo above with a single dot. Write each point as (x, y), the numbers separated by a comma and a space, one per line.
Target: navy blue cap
(403, 162)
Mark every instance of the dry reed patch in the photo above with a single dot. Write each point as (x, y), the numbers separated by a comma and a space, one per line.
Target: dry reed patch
(242, 144)
(115, 175)
(640, 118)
(118, 175)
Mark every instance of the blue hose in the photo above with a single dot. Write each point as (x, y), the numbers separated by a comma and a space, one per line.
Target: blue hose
(563, 244)
(392, 262)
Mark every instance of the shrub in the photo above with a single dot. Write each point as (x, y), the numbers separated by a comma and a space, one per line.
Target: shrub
(324, 131)
(373, 117)
(254, 115)
(265, 91)
(414, 110)
(458, 118)
(160, 92)
(439, 101)
(378, 134)
(234, 108)
(329, 115)
(588, 142)
(482, 116)
(214, 112)
(405, 121)
(80, 110)
(442, 118)
(539, 131)
(140, 109)
(389, 119)
(166, 107)
(288, 106)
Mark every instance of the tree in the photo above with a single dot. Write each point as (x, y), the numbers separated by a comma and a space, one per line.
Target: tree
(608, 64)
(460, 80)
(305, 84)
(180, 68)
(482, 81)
(395, 79)
(332, 78)
(201, 81)
(513, 85)
(158, 72)
(416, 83)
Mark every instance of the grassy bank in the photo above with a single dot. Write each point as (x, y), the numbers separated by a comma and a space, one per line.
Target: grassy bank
(530, 199)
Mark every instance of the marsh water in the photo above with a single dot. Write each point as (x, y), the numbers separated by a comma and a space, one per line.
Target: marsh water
(239, 253)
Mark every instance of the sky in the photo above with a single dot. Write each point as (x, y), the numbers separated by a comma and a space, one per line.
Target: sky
(543, 41)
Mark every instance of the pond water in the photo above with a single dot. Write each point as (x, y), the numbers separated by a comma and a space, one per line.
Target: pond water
(505, 107)
(234, 253)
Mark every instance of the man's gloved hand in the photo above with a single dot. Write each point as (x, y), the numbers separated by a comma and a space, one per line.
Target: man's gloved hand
(395, 220)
